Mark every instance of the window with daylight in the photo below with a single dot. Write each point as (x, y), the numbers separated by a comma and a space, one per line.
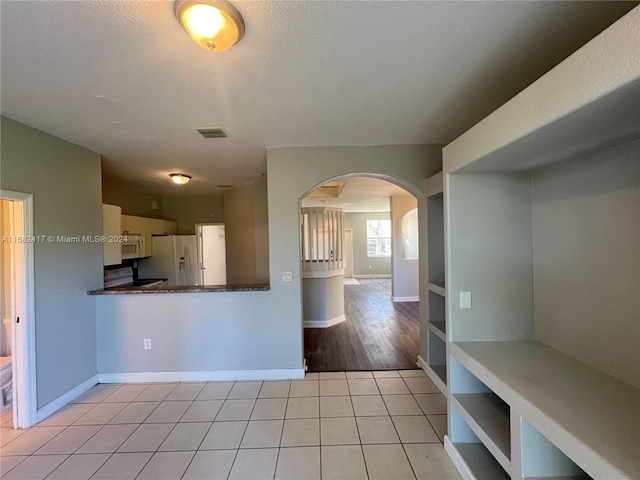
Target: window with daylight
(378, 238)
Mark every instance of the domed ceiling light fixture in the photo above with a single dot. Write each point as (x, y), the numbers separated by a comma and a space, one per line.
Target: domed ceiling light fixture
(180, 178)
(213, 24)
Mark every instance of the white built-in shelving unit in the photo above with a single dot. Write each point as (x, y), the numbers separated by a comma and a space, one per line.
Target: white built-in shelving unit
(436, 362)
(542, 219)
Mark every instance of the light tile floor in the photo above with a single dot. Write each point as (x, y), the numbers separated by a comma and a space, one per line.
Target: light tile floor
(335, 425)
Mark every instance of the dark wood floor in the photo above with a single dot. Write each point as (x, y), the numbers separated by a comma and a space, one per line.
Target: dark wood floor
(377, 335)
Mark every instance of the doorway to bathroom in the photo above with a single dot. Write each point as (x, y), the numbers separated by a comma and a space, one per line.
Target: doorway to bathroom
(17, 337)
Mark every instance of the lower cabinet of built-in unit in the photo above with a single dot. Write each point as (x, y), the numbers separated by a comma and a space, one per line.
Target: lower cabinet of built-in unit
(480, 427)
(437, 338)
(541, 458)
(437, 360)
(494, 441)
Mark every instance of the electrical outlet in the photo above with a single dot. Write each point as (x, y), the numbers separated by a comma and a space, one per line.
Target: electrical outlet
(147, 344)
(287, 276)
(465, 299)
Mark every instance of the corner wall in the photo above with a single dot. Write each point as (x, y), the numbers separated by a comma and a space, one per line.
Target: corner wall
(65, 181)
(246, 227)
(586, 240)
(405, 271)
(248, 330)
(293, 172)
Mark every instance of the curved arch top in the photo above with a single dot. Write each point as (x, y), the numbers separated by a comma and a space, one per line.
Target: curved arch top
(409, 187)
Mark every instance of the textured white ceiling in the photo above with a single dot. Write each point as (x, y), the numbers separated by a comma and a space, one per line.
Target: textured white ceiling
(123, 79)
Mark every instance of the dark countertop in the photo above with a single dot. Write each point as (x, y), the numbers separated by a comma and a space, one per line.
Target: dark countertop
(258, 287)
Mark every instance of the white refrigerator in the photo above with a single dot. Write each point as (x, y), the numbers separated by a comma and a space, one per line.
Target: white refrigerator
(174, 258)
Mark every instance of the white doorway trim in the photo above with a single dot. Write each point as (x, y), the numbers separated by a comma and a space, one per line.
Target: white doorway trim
(24, 332)
(348, 248)
(222, 264)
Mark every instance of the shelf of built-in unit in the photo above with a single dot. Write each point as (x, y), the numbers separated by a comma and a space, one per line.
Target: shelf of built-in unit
(480, 461)
(441, 373)
(436, 366)
(439, 328)
(434, 184)
(437, 287)
(589, 416)
(488, 417)
(438, 375)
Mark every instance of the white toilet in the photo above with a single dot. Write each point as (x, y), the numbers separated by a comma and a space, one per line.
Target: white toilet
(6, 387)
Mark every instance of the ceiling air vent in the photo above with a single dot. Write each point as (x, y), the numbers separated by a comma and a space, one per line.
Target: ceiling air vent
(212, 132)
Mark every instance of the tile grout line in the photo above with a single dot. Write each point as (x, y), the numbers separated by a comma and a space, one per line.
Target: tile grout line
(210, 426)
(153, 453)
(364, 460)
(275, 470)
(398, 433)
(101, 428)
(142, 423)
(440, 440)
(235, 457)
(234, 461)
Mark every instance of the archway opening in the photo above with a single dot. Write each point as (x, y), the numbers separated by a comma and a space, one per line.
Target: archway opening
(360, 275)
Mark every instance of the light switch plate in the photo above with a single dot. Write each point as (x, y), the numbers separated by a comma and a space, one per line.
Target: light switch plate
(465, 299)
(287, 276)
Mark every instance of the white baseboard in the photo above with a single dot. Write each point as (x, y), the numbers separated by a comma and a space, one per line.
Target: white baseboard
(207, 376)
(373, 275)
(405, 299)
(458, 461)
(63, 400)
(323, 323)
(422, 364)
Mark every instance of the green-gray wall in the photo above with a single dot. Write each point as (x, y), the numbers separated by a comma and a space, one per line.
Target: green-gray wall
(586, 259)
(294, 172)
(246, 228)
(65, 181)
(250, 330)
(362, 264)
(132, 201)
(187, 211)
(405, 271)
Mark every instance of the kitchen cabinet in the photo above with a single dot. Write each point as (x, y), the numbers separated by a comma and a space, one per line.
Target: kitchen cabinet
(130, 224)
(148, 227)
(170, 227)
(112, 253)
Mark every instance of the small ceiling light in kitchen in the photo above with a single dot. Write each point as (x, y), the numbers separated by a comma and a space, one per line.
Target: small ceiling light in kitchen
(180, 178)
(213, 24)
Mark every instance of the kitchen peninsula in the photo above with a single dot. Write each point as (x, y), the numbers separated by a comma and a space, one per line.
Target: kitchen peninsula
(195, 333)
(258, 287)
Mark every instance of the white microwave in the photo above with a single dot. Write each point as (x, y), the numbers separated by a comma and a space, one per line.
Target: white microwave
(133, 247)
